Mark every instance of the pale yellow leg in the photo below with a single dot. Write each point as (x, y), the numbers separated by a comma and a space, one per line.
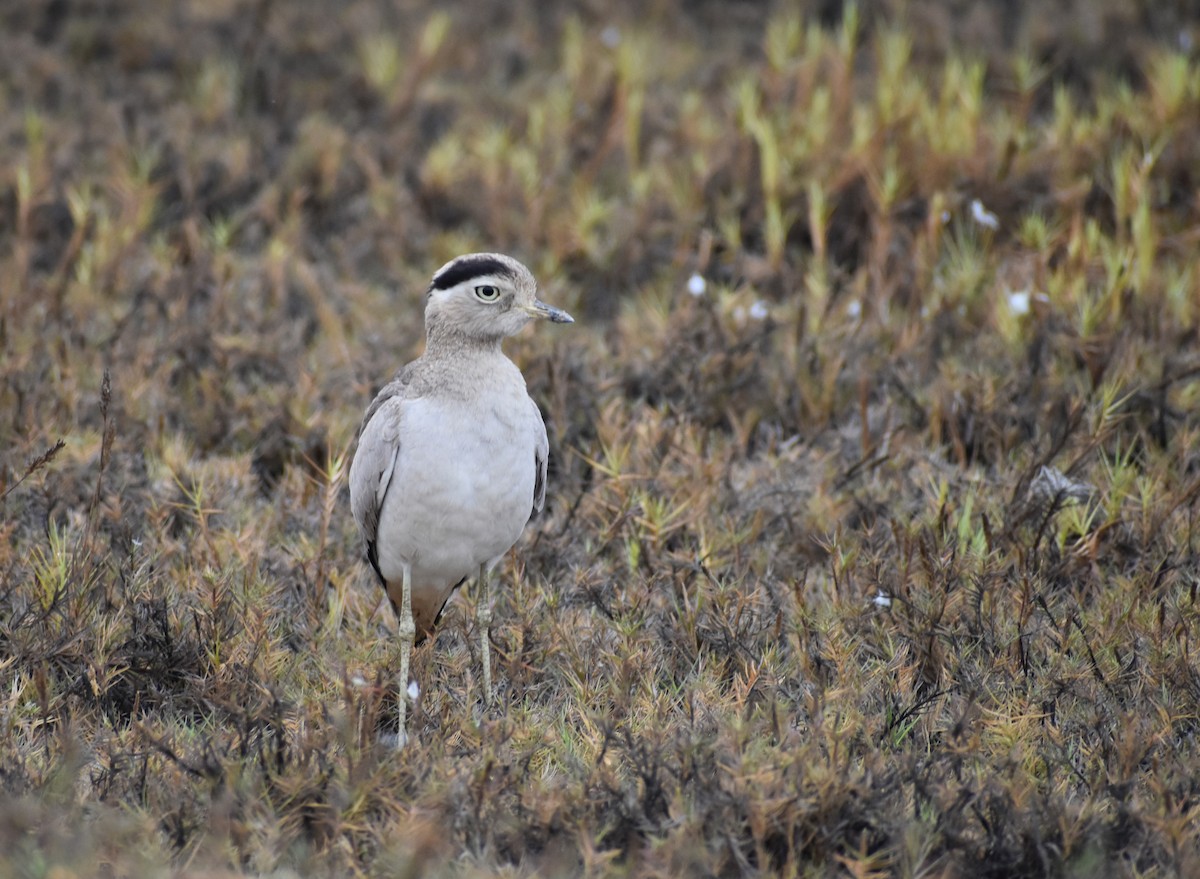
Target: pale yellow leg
(408, 633)
(483, 617)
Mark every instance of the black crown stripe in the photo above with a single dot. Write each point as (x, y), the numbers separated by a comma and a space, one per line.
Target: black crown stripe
(467, 268)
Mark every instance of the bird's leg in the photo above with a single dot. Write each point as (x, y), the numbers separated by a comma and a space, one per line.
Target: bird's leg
(408, 633)
(483, 617)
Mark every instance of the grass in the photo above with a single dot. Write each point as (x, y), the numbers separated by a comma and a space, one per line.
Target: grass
(872, 554)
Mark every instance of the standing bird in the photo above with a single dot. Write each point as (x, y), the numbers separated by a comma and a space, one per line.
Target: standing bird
(451, 458)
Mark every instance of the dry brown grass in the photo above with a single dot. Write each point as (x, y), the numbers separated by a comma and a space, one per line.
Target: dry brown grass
(878, 557)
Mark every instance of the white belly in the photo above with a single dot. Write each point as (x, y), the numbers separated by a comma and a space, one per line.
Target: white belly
(461, 492)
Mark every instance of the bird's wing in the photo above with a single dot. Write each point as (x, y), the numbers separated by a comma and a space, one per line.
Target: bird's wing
(374, 462)
(541, 452)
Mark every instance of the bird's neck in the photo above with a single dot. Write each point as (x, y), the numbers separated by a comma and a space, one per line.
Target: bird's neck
(442, 340)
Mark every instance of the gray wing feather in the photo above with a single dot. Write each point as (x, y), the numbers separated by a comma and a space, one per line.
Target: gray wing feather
(541, 453)
(374, 462)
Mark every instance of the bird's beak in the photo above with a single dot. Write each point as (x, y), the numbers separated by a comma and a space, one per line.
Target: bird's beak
(540, 309)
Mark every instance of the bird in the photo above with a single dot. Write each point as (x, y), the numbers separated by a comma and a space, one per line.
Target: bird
(451, 459)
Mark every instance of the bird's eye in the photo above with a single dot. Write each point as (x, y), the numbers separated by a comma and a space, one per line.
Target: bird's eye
(487, 293)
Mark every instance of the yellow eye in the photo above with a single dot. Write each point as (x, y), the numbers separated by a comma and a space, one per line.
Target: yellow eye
(487, 293)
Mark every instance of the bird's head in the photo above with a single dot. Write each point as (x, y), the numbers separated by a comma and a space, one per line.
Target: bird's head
(485, 296)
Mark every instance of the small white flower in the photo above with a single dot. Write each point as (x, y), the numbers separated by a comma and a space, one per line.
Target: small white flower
(611, 36)
(696, 285)
(414, 690)
(358, 681)
(983, 216)
(854, 308)
(1052, 483)
(945, 217)
(758, 310)
(882, 599)
(1018, 301)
